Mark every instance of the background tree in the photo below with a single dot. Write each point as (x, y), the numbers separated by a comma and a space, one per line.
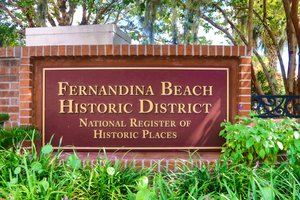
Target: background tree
(264, 26)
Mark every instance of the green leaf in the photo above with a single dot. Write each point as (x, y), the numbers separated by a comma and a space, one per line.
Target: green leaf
(47, 149)
(143, 182)
(267, 193)
(262, 153)
(110, 171)
(17, 170)
(296, 135)
(44, 184)
(249, 143)
(36, 166)
(144, 194)
(280, 145)
(73, 161)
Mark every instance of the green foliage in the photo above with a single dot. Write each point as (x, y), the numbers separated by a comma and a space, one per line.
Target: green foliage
(255, 139)
(3, 118)
(13, 136)
(47, 175)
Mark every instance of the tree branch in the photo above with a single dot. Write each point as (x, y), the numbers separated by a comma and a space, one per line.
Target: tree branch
(243, 38)
(12, 16)
(282, 68)
(211, 22)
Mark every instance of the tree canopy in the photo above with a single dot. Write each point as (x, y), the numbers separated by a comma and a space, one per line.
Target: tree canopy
(266, 27)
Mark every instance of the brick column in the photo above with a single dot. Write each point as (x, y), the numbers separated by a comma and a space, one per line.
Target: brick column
(9, 84)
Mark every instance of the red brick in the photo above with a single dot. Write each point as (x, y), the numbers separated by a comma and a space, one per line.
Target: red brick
(109, 50)
(4, 101)
(13, 117)
(245, 60)
(25, 90)
(24, 97)
(245, 107)
(204, 50)
(245, 99)
(117, 50)
(39, 51)
(25, 112)
(14, 124)
(61, 50)
(196, 50)
(85, 50)
(25, 82)
(47, 50)
(172, 50)
(8, 78)
(100, 50)
(93, 50)
(141, 50)
(243, 50)
(212, 50)
(25, 51)
(245, 76)
(14, 86)
(25, 61)
(14, 70)
(10, 52)
(165, 50)
(133, 50)
(245, 91)
(245, 68)
(2, 52)
(150, 50)
(9, 93)
(5, 63)
(9, 109)
(25, 75)
(25, 105)
(4, 70)
(157, 50)
(180, 50)
(4, 86)
(189, 50)
(69, 50)
(244, 113)
(25, 120)
(219, 50)
(235, 51)
(25, 68)
(227, 51)
(32, 51)
(245, 83)
(54, 50)
(14, 102)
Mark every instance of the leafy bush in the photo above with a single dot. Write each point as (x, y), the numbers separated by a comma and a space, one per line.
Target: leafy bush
(254, 139)
(3, 118)
(13, 136)
(46, 175)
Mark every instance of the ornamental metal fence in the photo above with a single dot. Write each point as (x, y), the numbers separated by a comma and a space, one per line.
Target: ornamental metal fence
(276, 106)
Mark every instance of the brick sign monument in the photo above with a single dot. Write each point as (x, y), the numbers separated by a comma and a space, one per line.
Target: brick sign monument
(139, 97)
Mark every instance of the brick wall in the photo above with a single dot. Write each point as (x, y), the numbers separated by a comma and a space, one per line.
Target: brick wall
(9, 84)
(16, 66)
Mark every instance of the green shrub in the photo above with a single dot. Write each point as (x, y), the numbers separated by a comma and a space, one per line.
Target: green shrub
(13, 136)
(254, 139)
(3, 118)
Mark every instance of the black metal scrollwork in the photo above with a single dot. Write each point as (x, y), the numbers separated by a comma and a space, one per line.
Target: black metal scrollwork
(276, 106)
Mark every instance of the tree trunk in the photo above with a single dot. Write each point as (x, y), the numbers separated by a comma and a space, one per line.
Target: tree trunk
(296, 23)
(292, 49)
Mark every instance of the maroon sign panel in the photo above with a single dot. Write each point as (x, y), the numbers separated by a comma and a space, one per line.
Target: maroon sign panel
(135, 107)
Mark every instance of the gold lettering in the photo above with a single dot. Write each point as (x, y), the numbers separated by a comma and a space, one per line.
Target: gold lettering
(62, 106)
(62, 87)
